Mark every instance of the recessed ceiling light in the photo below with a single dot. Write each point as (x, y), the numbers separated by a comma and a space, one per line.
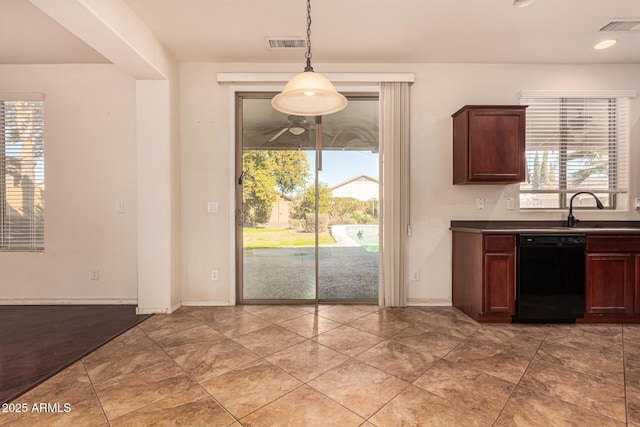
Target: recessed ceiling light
(605, 44)
(522, 3)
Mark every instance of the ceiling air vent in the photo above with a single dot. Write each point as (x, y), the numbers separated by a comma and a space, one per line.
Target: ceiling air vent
(622, 25)
(286, 42)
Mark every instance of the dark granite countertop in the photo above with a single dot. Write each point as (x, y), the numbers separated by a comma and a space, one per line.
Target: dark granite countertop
(558, 227)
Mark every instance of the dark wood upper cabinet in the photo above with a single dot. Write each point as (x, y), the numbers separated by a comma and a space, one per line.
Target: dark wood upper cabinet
(489, 144)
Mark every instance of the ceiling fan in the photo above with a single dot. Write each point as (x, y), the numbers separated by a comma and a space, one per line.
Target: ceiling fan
(296, 125)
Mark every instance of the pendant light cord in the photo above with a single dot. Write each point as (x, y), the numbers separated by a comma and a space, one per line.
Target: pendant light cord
(308, 53)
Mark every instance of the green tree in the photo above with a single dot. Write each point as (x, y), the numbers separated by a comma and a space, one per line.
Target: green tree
(266, 173)
(535, 181)
(544, 167)
(305, 203)
(349, 210)
(290, 169)
(259, 187)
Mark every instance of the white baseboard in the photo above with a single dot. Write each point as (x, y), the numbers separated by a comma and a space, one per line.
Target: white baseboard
(422, 302)
(206, 303)
(158, 310)
(153, 310)
(65, 301)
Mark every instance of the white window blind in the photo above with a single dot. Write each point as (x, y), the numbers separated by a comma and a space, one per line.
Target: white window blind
(21, 175)
(575, 143)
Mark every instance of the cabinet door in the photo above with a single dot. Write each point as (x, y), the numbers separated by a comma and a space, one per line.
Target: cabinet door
(496, 145)
(499, 283)
(610, 286)
(636, 284)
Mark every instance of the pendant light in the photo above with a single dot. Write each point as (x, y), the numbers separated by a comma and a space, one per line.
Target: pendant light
(309, 93)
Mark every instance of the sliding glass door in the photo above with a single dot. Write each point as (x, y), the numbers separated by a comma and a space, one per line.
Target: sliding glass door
(307, 203)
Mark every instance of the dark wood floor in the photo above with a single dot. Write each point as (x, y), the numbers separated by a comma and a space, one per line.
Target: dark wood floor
(36, 342)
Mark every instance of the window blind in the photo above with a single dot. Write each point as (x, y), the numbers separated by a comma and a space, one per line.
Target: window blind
(21, 175)
(575, 143)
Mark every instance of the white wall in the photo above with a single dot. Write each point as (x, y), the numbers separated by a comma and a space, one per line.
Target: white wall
(158, 191)
(90, 166)
(205, 176)
(439, 90)
(90, 137)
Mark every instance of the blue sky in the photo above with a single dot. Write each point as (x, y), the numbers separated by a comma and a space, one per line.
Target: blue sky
(340, 166)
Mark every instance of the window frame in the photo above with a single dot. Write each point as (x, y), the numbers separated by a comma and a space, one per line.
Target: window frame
(35, 242)
(618, 140)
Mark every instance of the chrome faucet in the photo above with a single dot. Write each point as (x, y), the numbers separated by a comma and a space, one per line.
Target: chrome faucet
(572, 220)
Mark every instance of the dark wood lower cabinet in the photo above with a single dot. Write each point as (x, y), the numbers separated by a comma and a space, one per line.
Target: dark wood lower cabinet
(637, 283)
(484, 276)
(610, 287)
(499, 283)
(612, 279)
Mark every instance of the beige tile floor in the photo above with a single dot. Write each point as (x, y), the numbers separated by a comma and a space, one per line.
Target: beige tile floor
(345, 366)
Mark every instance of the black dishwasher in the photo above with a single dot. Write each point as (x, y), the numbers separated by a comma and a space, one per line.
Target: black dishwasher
(549, 278)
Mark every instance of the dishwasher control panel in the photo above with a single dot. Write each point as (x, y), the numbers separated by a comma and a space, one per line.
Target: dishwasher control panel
(551, 239)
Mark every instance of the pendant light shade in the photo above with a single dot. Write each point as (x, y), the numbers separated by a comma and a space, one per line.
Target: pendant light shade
(309, 93)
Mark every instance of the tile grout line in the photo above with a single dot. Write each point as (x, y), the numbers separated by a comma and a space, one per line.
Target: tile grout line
(191, 378)
(559, 398)
(302, 383)
(523, 374)
(263, 359)
(624, 379)
(457, 403)
(353, 358)
(409, 383)
(93, 388)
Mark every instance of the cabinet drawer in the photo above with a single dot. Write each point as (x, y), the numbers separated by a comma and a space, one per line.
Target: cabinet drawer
(613, 243)
(499, 243)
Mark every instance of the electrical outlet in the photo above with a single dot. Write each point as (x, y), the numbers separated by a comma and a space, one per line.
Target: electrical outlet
(638, 203)
(95, 274)
(214, 274)
(480, 203)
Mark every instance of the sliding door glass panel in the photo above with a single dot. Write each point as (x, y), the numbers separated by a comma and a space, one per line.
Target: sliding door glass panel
(349, 202)
(278, 246)
(308, 200)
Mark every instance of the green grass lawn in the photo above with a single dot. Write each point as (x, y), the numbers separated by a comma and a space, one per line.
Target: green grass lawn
(279, 238)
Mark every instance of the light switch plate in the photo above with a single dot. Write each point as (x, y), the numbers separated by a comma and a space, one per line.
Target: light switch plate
(510, 204)
(638, 203)
(212, 207)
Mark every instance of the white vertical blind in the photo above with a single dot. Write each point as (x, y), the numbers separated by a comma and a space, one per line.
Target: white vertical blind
(21, 175)
(575, 143)
(394, 177)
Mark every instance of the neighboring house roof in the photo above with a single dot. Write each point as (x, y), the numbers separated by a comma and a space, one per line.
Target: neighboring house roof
(357, 178)
(361, 187)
